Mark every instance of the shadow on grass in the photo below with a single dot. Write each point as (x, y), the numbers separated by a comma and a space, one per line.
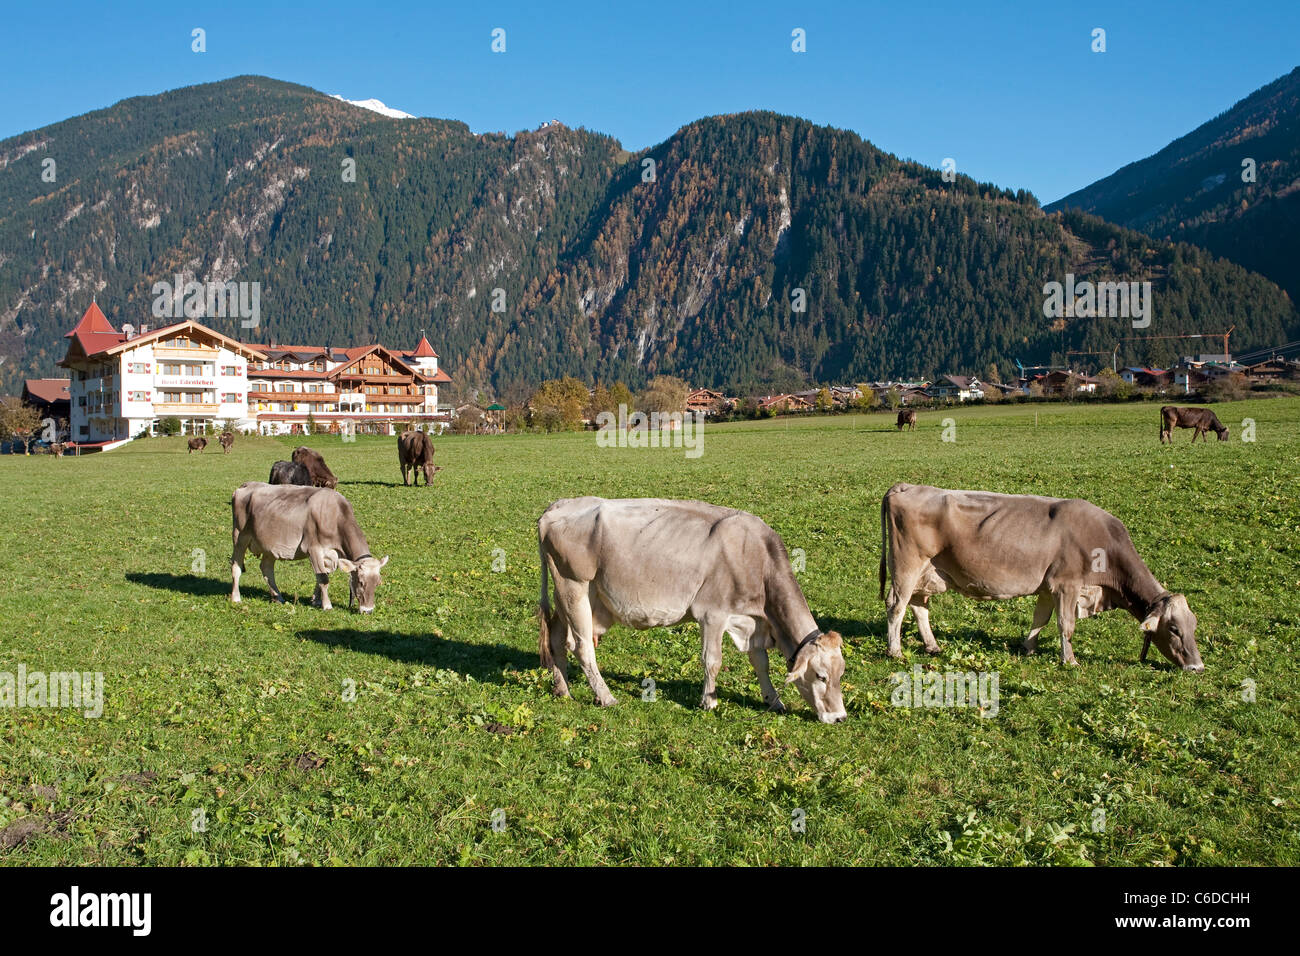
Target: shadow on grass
(486, 662)
(197, 585)
(483, 662)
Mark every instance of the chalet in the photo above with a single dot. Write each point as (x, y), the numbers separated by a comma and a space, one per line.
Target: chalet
(49, 396)
(707, 402)
(124, 382)
(960, 388)
(1273, 370)
(784, 404)
(1062, 382)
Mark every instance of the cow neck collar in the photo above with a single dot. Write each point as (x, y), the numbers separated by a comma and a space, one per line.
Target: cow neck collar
(1151, 605)
(810, 638)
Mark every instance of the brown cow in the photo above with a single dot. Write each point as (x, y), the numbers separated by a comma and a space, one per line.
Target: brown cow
(57, 448)
(197, 444)
(415, 451)
(907, 416)
(227, 439)
(321, 476)
(1076, 557)
(1201, 419)
(289, 473)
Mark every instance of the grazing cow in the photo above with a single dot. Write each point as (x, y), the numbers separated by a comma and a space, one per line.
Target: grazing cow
(321, 476)
(289, 473)
(649, 562)
(226, 439)
(288, 522)
(197, 444)
(1077, 558)
(1201, 419)
(415, 451)
(58, 449)
(907, 416)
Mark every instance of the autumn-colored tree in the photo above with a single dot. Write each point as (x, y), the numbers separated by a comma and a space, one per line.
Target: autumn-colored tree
(824, 401)
(559, 403)
(18, 420)
(665, 393)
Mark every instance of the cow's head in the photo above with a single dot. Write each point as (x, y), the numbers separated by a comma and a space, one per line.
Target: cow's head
(430, 469)
(1172, 626)
(816, 672)
(364, 580)
(1223, 433)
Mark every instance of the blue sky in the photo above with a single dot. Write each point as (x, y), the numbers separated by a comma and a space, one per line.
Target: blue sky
(1012, 90)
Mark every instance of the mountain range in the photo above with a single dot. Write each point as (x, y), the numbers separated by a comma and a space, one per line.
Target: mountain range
(747, 251)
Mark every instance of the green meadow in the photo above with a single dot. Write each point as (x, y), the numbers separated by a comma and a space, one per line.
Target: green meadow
(426, 732)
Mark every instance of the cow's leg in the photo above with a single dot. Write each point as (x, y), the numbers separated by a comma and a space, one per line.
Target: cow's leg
(920, 604)
(1042, 614)
(711, 657)
(1066, 603)
(237, 565)
(558, 636)
(575, 599)
(900, 594)
(771, 697)
(268, 572)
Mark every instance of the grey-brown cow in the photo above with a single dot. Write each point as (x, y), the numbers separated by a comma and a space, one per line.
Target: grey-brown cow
(196, 444)
(321, 476)
(289, 473)
(227, 439)
(1202, 420)
(907, 416)
(1076, 557)
(415, 451)
(648, 562)
(290, 522)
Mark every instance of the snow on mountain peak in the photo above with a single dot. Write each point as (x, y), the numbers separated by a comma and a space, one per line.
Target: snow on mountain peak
(375, 106)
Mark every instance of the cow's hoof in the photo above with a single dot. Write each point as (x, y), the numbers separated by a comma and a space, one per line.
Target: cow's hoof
(933, 650)
(608, 702)
(234, 599)
(709, 703)
(776, 707)
(896, 655)
(1070, 662)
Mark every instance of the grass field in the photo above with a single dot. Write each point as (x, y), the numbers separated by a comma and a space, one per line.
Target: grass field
(235, 717)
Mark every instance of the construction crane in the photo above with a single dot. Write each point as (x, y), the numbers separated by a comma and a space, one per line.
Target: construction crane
(1113, 353)
(1227, 357)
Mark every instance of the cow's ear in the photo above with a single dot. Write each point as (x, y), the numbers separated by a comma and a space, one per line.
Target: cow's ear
(1152, 622)
(831, 639)
(384, 561)
(347, 565)
(799, 666)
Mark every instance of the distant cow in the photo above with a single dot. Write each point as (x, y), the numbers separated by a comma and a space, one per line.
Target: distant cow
(321, 476)
(226, 439)
(287, 522)
(649, 562)
(1201, 419)
(197, 444)
(415, 451)
(1076, 557)
(58, 448)
(907, 416)
(289, 473)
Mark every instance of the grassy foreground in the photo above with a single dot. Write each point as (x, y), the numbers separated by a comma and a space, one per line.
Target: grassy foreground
(228, 737)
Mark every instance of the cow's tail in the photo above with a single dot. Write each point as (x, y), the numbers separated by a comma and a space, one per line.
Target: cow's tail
(884, 543)
(544, 613)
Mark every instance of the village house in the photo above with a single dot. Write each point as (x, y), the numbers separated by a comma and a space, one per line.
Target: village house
(49, 396)
(783, 404)
(959, 388)
(1147, 377)
(123, 382)
(707, 402)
